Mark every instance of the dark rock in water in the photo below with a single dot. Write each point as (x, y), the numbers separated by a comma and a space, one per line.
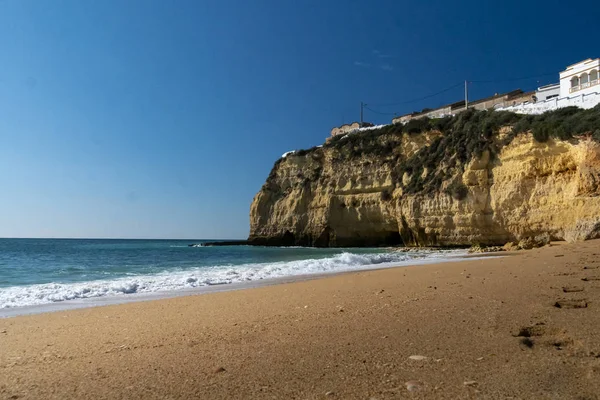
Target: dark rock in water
(221, 243)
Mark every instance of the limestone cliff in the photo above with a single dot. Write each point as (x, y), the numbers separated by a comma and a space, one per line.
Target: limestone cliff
(449, 185)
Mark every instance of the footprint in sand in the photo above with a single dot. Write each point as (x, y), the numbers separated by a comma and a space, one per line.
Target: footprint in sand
(556, 338)
(526, 333)
(538, 329)
(571, 303)
(572, 289)
(591, 278)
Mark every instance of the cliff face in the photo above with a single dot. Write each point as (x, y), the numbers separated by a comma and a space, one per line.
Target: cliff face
(348, 195)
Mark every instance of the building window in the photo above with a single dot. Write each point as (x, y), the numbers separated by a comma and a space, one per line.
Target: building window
(594, 77)
(574, 84)
(584, 81)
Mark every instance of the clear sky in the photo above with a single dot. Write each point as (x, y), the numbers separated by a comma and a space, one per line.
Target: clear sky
(162, 119)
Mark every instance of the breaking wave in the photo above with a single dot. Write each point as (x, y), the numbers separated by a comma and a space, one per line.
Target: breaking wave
(18, 296)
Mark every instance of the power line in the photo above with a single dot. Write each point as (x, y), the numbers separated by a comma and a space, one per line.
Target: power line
(409, 101)
(446, 90)
(513, 80)
(378, 112)
(419, 99)
(457, 85)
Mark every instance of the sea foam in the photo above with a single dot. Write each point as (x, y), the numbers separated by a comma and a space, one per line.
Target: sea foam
(18, 296)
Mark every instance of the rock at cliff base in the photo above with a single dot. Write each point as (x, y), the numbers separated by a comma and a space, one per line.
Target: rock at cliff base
(534, 242)
(485, 249)
(510, 246)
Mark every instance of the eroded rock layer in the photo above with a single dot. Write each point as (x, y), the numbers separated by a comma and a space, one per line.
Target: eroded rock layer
(332, 196)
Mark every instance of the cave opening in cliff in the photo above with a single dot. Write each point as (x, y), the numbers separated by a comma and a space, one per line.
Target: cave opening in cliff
(324, 238)
(288, 239)
(394, 239)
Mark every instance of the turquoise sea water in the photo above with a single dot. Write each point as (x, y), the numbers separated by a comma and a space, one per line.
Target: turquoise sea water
(43, 271)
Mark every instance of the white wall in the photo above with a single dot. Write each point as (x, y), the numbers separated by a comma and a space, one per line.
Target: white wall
(542, 93)
(577, 70)
(583, 100)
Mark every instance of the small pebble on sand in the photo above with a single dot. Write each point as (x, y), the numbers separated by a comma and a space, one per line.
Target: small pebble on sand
(329, 393)
(412, 386)
(418, 358)
(470, 383)
(219, 370)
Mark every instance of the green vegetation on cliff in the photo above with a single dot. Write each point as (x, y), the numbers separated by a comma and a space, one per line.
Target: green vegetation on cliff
(438, 182)
(464, 136)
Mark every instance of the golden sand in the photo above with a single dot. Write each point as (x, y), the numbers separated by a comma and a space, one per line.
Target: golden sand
(525, 326)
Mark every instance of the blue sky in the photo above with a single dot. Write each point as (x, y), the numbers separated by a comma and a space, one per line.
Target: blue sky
(159, 119)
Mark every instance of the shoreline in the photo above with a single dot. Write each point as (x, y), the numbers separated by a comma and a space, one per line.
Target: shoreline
(524, 327)
(101, 301)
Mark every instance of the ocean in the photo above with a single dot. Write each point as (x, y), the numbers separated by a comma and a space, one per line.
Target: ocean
(37, 272)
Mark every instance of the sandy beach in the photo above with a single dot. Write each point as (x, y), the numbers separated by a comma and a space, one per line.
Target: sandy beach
(526, 326)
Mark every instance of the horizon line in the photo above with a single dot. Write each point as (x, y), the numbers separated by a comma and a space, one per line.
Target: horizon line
(112, 238)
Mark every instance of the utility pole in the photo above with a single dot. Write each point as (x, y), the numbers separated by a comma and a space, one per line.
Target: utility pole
(466, 95)
(361, 113)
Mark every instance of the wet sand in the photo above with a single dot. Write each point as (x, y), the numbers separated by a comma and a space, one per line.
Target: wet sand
(525, 326)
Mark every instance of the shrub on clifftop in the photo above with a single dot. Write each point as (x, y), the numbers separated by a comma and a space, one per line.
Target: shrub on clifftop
(466, 135)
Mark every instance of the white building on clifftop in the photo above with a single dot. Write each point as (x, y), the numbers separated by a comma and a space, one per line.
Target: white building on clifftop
(578, 87)
(580, 78)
